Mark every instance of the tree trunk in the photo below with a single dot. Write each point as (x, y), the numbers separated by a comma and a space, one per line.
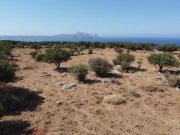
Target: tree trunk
(160, 69)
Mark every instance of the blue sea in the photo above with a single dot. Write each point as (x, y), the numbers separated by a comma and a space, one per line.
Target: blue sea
(155, 40)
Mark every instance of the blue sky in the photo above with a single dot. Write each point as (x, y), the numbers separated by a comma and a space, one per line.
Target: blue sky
(104, 17)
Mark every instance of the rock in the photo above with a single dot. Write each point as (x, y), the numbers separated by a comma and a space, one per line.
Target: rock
(58, 102)
(110, 80)
(116, 72)
(177, 89)
(64, 74)
(69, 86)
(45, 74)
(118, 68)
(59, 84)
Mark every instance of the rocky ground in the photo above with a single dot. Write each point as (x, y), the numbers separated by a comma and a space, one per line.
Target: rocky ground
(139, 103)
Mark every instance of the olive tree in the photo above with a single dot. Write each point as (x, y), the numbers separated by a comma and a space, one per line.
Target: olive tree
(56, 56)
(162, 60)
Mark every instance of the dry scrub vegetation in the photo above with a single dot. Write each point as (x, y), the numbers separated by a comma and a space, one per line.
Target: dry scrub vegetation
(138, 102)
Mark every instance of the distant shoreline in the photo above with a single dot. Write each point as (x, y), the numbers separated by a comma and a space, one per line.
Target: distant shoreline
(154, 40)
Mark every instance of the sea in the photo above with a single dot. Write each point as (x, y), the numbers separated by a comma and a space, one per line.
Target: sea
(155, 40)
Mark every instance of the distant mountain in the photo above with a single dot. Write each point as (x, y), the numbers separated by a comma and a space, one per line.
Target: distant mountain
(62, 37)
(78, 35)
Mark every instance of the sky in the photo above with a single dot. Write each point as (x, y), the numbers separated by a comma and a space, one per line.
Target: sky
(115, 18)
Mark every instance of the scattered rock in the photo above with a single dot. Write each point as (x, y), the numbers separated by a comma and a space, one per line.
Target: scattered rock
(110, 80)
(118, 68)
(178, 89)
(58, 102)
(69, 86)
(116, 72)
(59, 84)
(45, 74)
(64, 74)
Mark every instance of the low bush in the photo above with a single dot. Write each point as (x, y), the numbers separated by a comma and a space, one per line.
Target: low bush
(39, 57)
(167, 48)
(174, 81)
(124, 60)
(179, 56)
(100, 66)
(7, 72)
(118, 50)
(79, 72)
(5, 50)
(33, 54)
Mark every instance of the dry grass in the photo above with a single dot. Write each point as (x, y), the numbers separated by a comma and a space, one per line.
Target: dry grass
(83, 110)
(115, 99)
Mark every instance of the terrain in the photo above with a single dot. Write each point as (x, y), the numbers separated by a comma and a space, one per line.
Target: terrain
(151, 106)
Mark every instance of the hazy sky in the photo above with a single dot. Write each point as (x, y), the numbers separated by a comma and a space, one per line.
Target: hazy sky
(104, 17)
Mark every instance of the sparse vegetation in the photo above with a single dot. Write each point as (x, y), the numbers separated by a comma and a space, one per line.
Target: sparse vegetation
(90, 51)
(174, 81)
(39, 57)
(79, 72)
(139, 62)
(36, 46)
(115, 99)
(167, 48)
(7, 72)
(56, 56)
(124, 60)
(118, 50)
(162, 60)
(5, 50)
(179, 56)
(33, 54)
(100, 66)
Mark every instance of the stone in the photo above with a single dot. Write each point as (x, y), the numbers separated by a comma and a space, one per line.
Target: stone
(118, 68)
(59, 84)
(69, 86)
(45, 74)
(110, 80)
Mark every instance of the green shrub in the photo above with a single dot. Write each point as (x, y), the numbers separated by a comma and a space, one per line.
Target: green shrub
(100, 66)
(124, 60)
(162, 60)
(33, 54)
(79, 72)
(167, 48)
(39, 57)
(7, 72)
(179, 56)
(5, 51)
(57, 56)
